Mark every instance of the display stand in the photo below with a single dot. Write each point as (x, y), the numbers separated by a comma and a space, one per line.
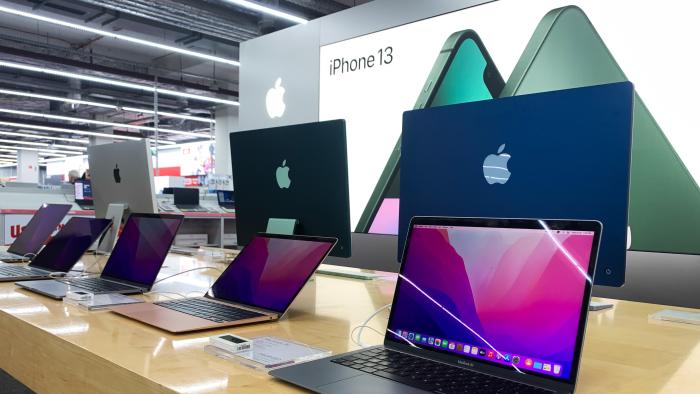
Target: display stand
(281, 226)
(114, 212)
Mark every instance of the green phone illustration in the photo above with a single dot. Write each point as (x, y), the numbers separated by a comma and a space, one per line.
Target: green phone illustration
(565, 51)
(463, 72)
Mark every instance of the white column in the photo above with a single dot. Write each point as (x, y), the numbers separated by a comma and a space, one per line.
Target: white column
(27, 166)
(226, 122)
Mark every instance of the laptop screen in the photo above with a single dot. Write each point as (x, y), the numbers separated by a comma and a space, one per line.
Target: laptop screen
(225, 196)
(142, 247)
(65, 249)
(39, 228)
(185, 196)
(270, 271)
(506, 296)
(83, 190)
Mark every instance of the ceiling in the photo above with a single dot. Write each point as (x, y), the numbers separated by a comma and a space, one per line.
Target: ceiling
(43, 63)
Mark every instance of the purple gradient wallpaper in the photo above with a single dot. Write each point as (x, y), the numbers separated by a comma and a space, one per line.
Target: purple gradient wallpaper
(142, 247)
(516, 288)
(39, 229)
(269, 272)
(386, 221)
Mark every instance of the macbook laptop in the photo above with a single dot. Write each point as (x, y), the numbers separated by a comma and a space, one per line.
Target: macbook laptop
(187, 199)
(35, 233)
(481, 305)
(560, 154)
(259, 285)
(83, 194)
(61, 253)
(133, 265)
(226, 200)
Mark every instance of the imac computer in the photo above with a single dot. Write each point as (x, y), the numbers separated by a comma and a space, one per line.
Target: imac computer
(293, 180)
(557, 155)
(122, 173)
(122, 183)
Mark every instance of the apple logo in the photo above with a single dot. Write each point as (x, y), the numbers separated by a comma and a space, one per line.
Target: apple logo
(117, 177)
(282, 175)
(274, 100)
(496, 167)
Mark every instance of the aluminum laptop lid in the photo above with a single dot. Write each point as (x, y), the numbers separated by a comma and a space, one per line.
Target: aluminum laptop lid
(271, 271)
(141, 249)
(507, 297)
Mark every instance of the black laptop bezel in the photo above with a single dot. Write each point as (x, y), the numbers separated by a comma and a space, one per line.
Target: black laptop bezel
(145, 286)
(331, 240)
(503, 371)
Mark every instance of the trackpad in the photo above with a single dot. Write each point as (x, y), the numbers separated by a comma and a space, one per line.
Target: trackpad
(367, 384)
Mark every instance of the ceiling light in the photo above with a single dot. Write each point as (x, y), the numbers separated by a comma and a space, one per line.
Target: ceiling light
(98, 122)
(114, 82)
(267, 10)
(104, 105)
(56, 160)
(68, 147)
(70, 131)
(44, 150)
(119, 36)
(5, 157)
(23, 142)
(43, 137)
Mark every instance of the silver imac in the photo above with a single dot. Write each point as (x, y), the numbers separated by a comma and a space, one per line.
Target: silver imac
(122, 173)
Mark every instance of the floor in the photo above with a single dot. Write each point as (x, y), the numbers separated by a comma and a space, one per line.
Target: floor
(8, 385)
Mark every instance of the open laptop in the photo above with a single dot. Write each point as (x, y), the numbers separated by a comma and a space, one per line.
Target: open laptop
(61, 253)
(226, 200)
(259, 285)
(559, 154)
(35, 233)
(133, 265)
(481, 305)
(83, 194)
(187, 199)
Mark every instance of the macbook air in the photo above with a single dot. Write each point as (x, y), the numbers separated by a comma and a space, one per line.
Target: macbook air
(61, 253)
(35, 233)
(259, 285)
(481, 305)
(133, 265)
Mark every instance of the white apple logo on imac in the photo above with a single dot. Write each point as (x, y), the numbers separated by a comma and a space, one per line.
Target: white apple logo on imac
(282, 176)
(274, 100)
(496, 167)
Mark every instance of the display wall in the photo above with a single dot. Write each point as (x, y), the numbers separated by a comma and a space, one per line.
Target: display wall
(371, 80)
(651, 41)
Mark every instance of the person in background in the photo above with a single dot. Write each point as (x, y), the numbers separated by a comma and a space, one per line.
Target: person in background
(73, 175)
(86, 175)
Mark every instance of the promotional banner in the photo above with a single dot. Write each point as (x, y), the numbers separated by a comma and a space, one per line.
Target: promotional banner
(508, 48)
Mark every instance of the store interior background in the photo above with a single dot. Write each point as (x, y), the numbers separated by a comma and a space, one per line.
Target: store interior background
(268, 48)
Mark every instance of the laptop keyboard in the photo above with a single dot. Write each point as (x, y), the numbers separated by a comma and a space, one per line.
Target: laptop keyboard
(429, 375)
(97, 285)
(15, 272)
(208, 310)
(10, 256)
